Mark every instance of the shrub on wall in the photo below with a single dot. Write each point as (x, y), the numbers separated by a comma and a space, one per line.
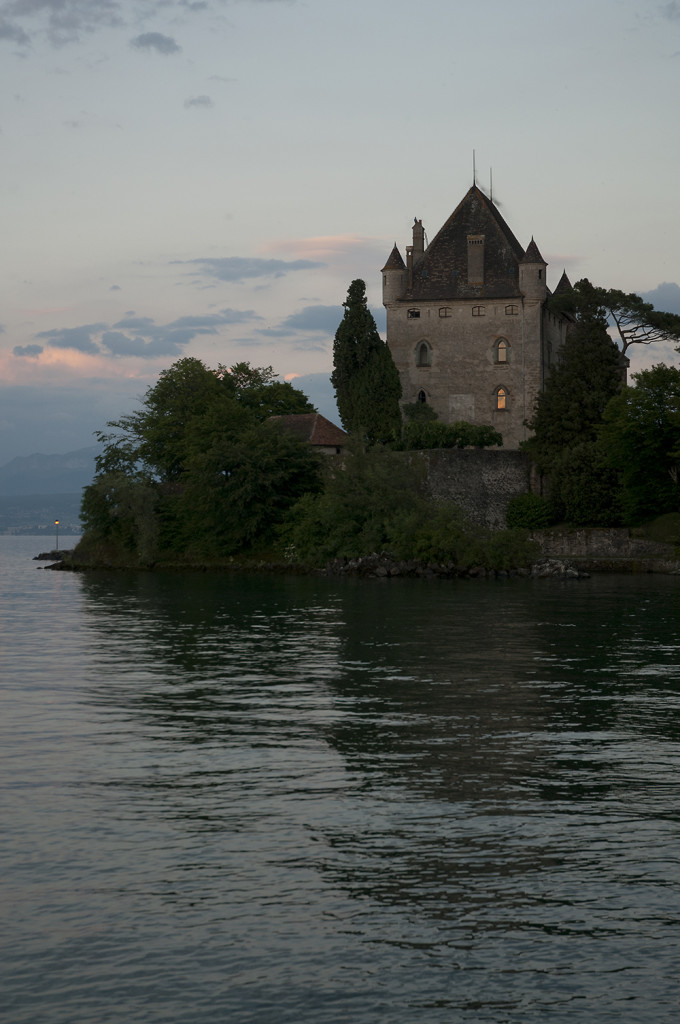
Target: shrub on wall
(419, 435)
(528, 512)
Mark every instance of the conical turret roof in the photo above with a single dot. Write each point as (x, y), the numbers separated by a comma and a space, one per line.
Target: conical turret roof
(532, 255)
(395, 261)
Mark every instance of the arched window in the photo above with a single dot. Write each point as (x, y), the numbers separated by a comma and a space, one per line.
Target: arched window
(502, 349)
(423, 354)
(444, 311)
(413, 314)
(501, 398)
(512, 311)
(422, 397)
(479, 310)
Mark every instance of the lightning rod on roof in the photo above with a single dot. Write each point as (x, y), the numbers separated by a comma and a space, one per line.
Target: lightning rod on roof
(474, 169)
(491, 184)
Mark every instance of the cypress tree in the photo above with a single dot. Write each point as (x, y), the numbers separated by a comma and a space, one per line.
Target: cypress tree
(365, 379)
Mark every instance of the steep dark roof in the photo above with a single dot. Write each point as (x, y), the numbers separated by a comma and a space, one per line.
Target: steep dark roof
(313, 427)
(441, 272)
(532, 255)
(395, 261)
(563, 285)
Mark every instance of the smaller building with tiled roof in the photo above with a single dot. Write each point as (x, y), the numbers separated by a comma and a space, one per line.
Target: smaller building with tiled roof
(315, 429)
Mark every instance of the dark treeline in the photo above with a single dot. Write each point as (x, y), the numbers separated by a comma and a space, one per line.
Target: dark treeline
(203, 473)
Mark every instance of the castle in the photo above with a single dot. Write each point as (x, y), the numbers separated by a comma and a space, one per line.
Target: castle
(467, 320)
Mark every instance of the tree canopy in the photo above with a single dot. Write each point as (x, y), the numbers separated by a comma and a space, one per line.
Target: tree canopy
(636, 321)
(365, 379)
(566, 421)
(641, 434)
(200, 468)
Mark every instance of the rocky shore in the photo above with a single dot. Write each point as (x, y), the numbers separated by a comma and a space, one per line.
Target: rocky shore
(383, 566)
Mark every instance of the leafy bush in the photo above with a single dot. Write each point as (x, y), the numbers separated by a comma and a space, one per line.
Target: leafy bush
(418, 435)
(528, 512)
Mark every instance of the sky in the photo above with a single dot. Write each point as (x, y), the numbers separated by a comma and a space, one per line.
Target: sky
(205, 177)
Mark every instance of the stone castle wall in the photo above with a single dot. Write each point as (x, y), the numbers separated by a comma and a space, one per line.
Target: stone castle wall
(480, 482)
(464, 372)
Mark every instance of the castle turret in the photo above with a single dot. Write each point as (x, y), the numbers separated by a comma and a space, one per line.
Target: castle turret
(564, 285)
(393, 276)
(532, 277)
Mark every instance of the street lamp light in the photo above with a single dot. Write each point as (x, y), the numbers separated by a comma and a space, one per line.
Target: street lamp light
(56, 527)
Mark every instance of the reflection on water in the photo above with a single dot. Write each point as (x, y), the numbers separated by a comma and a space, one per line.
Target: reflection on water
(294, 799)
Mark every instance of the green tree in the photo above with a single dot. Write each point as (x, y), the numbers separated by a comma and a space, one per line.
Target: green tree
(364, 377)
(636, 321)
(198, 469)
(566, 420)
(259, 390)
(641, 435)
(569, 410)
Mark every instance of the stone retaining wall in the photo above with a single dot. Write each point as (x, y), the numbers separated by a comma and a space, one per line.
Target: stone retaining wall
(612, 550)
(480, 481)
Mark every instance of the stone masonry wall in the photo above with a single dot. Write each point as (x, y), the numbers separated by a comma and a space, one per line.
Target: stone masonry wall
(481, 482)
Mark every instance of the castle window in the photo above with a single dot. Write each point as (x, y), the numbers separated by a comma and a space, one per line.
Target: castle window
(424, 354)
(445, 311)
(512, 310)
(501, 398)
(413, 314)
(422, 397)
(479, 310)
(502, 348)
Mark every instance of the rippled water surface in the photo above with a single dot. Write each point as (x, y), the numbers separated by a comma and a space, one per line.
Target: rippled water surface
(301, 800)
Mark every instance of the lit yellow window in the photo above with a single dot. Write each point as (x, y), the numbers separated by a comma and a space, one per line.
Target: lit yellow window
(501, 398)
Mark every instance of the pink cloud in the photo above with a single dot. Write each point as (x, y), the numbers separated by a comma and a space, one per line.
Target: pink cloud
(321, 246)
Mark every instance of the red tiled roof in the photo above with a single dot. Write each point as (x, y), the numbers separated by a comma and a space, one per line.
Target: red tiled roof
(313, 427)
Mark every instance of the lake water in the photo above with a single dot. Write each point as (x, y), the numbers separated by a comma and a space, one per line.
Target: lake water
(303, 800)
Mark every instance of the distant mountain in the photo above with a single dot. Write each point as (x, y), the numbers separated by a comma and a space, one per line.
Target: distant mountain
(48, 474)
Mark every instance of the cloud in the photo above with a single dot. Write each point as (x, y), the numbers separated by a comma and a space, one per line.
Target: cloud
(199, 101)
(237, 269)
(167, 343)
(78, 338)
(321, 319)
(29, 351)
(138, 336)
(665, 297)
(62, 21)
(155, 41)
(67, 21)
(13, 33)
(671, 10)
(213, 320)
(134, 322)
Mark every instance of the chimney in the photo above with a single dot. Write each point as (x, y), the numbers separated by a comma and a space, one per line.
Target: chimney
(418, 238)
